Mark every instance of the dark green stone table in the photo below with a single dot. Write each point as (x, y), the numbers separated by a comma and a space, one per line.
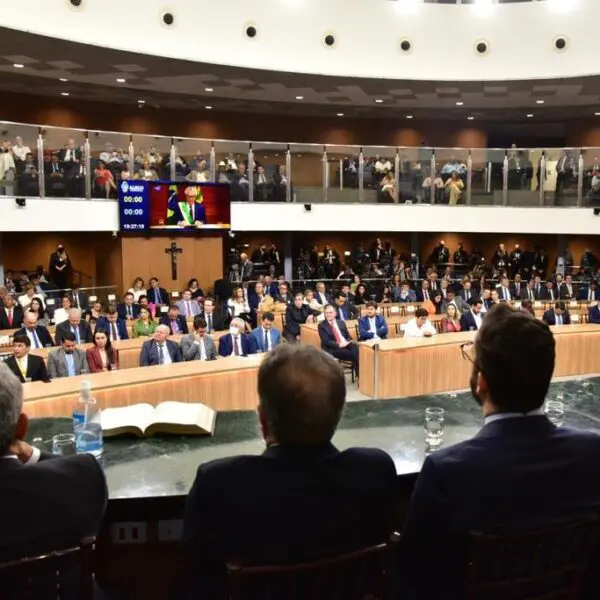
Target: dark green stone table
(166, 466)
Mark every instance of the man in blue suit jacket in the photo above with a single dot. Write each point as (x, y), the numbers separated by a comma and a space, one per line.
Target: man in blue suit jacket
(373, 325)
(590, 293)
(127, 310)
(472, 319)
(321, 296)
(404, 294)
(174, 321)
(345, 310)
(188, 307)
(266, 337)
(115, 327)
(159, 350)
(519, 471)
(558, 316)
(243, 342)
(594, 315)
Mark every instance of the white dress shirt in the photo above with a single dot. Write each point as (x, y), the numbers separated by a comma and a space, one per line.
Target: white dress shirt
(167, 356)
(202, 346)
(60, 315)
(137, 294)
(323, 298)
(501, 416)
(373, 327)
(236, 339)
(21, 152)
(413, 330)
(35, 456)
(33, 336)
(478, 319)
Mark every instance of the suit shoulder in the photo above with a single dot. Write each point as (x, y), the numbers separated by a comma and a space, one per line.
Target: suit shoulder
(369, 458)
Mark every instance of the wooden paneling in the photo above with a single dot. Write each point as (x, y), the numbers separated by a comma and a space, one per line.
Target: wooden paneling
(202, 257)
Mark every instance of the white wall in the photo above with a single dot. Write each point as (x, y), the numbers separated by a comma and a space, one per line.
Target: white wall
(368, 32)
(97, 215)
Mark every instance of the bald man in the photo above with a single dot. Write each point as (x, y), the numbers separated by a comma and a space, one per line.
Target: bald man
(159, 350)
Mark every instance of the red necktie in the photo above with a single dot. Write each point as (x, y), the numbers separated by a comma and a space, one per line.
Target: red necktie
(336, 335)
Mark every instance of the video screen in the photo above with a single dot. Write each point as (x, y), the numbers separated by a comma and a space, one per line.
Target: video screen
(145, 205)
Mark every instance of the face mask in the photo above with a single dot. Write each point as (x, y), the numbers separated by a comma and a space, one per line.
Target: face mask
(234, 330)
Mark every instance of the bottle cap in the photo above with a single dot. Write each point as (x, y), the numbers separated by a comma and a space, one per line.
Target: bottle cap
(86, 386)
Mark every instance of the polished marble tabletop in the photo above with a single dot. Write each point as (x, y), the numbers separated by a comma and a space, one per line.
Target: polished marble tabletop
(166, 465)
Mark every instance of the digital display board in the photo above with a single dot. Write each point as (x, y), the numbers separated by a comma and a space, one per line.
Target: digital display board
(145, 205)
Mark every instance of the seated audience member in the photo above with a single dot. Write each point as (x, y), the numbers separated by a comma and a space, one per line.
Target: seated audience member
(557, 316)
(38, 335)
(79, 299)
(156, 294)
(472, 319)
(302, 492)
(236, 342)
(503, 290)
(55, 177)
(527, 306)
(159, 350)
(451, 321)
(145, 326)
(336, 340)
(93, 314)
(29, 184)
(321, 296)
(80, 329)
(258, 300)
(266, 337)
(372, 326)
(424, 292)
(12, 314)
(104, 182)
(67, 360)
(62, 314)
(55, 502)
(128, 311)
(38, 308)
(344, 309)
(238, 305)
(145, 303)
(519, 471)
(113, 325)
(174, 321)
(404, 294)
(137, 289)
(102, 356)
(198, 345)
(28, 296)
(386, 296)
(271, 287)
(419, 325)
(311, 301)
(590, 293)
(568, 291)
(458, 301)
(297, 314)
(361, 295)
(284, 296)
(188, 307)
(25, 366)
(549, 293)
(528, 292)
(195, 288)
(214, 320)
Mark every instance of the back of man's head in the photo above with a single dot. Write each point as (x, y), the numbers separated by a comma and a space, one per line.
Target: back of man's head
(515, 354)
(293, 410)
(11, 401)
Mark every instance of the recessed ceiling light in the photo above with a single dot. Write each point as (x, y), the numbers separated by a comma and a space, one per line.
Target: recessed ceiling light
(470, 118)
(299, 97)
(340, 114)
(459, 103)
(209, 89)
(409, 116)
(121, 80)
(141, 102)
(597, 114)
(63, 79)
(529, 115)
(208, 107)
(539, 101)
(64, 93)
(18, 65)
(378, 100)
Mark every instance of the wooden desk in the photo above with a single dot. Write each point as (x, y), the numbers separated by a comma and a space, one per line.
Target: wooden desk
(404, 367)
(223, 384)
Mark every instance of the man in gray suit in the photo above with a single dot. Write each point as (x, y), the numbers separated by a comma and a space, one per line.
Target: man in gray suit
(458, 301)
(67, 360)
(198, 345)
(188, 307)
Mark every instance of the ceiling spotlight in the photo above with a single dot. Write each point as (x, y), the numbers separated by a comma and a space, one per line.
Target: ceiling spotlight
(299, 97)
(340, 114)
(459, 103)
(18, 65)
(529, 115)
(539, 101)
(141, 102)
(378, 100)
(209, 89)
(121, 80)
(64, 93)
(470, 118)
(63, 79)
(208, 107)
(597, 114)
(409, 116)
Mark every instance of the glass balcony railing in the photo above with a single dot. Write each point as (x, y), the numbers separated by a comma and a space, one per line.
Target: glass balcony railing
(41, 162)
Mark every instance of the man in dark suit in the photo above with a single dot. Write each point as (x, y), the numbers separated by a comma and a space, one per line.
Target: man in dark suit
(11, 315)
(567, 290)
(159, 350)
(38, 335)
(80, 329)
(26, 366)
(517, 287)
(594, 315)
(156, 294)
(503, 290)
(284, 296)
(297, 314)
(302, 492)
(557, 316)
(246, 267)
(321, 295)
(55, 502)
(345, 310)
(520, 470)
(538, 288)
(528, 292)
(79, 299)
(424, 292)
(549, 292)
(55, 177)
(115, 327)
(336, 340)
(236, 343)
(590, 293)
(214, 320)
(467, 293)
(174, 321)
(128, 311)
(472, 319)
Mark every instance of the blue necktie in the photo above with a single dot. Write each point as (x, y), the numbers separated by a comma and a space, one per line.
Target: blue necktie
(36, 341)
(76, 334)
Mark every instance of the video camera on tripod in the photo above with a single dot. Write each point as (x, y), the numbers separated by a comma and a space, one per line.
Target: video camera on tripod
(233, 261)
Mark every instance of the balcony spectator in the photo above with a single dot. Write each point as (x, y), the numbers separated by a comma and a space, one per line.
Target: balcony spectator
(104, 182)
(387, 189)
(261, 185)
(8, 169)
(20, 150)
(280, 181)
(55, 177)
(200, 174)
(70, 156)
(454, 186)
(147, 173)
(29, 184)
(240, 184)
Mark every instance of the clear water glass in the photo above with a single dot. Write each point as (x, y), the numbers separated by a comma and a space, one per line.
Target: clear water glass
(434, 426)
(555, 411)
(64, 444)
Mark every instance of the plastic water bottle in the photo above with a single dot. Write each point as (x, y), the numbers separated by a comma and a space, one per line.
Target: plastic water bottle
(87, 425)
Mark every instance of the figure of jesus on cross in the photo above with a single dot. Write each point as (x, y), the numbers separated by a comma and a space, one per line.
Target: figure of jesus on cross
(173, 250)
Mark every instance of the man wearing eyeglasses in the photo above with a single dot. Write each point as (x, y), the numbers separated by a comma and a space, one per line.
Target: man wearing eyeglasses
(520, 471)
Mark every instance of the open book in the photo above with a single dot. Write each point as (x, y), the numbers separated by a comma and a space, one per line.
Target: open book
(144, 420)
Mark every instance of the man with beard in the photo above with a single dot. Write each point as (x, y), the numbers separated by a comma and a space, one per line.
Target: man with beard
(519, 471)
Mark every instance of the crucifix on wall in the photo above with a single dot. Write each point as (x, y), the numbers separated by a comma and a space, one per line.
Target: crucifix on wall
(173, 250)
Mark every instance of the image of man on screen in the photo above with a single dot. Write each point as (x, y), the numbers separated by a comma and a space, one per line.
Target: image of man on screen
(189, 213)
